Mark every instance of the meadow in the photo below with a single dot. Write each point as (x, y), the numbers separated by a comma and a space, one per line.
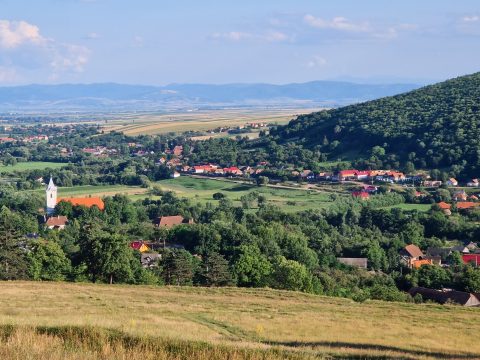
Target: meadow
(202, 190)
(93, 321)
(30, 165)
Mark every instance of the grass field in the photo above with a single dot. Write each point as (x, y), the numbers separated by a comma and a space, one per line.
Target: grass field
(197, 120)
(99, 190)
(202, 190)
(221, 323)
(418, 207)
(31, 165)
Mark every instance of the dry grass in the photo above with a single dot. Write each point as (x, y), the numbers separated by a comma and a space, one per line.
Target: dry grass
(198, 120)
(234, 320)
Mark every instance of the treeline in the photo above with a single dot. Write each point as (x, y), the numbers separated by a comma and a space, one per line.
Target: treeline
(234, 246)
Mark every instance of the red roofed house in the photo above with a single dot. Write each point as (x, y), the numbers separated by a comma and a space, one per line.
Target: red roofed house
(361, 194)
(410, 254)
(233, 171)
(460, 196)
(140, 246)
(178, 150)
(465, 205)
(362, 175)
(171, 221)
(56, 222)
(346, 175)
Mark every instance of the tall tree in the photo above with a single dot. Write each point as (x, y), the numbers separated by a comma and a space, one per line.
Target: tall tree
(13, 260)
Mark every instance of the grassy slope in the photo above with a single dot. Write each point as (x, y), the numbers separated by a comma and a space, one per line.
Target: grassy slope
(247, 318)
(202, 190)
(31, 165)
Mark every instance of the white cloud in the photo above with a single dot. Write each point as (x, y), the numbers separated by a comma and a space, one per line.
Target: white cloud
(274, 36)
(17, 33)
(269, 36)
(92, 36)
(316, 61)
(70, 58)
(337, 23)
(471, 18)
(24, 48)
(232, 35)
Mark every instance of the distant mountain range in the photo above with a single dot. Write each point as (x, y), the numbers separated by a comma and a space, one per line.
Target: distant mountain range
(120, 97)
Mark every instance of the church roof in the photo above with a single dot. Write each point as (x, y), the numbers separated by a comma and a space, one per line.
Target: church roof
(51, 186)
(88, 202)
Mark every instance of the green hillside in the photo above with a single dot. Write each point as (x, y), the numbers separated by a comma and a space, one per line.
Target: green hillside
(436, 127)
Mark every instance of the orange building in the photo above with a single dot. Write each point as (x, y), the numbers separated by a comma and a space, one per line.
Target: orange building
(87, 202)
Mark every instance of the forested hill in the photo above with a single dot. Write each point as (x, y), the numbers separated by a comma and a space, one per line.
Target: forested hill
(437, 126)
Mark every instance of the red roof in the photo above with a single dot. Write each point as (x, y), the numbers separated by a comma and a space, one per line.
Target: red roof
(232, 169)
(361, 194)
(363, 173)
(170, 221)
(413, 250)
(466, 205)
(344, 173)
(88, 202)
(444, 206)
(57, 221)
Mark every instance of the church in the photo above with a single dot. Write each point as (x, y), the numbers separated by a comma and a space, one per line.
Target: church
(53, 200)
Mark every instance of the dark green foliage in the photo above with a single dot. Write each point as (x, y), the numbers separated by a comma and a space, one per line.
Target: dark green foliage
(436, 126)
(13, 259)
(214, 271)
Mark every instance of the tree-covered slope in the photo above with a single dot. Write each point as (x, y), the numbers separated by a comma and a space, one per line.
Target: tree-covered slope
(437, 126)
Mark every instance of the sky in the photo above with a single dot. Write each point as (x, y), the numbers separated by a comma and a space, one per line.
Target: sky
(157, 42)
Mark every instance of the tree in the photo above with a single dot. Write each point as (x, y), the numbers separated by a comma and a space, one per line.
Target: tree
(218, 196)
(262, 181)
(432, 276)
(291, 275)
(251, 267)
(177, 267)
(47, 261)
(106, 255)
(13, 260)
(215, 271)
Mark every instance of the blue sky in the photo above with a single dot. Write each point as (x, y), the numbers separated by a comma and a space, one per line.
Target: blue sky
(212, 41)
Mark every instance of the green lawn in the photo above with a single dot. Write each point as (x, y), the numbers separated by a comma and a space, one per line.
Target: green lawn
(419, 207)
(99, 190)
(202, 190)
(31, 165)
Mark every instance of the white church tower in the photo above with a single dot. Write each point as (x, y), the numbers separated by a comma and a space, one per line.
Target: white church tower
(51, 197)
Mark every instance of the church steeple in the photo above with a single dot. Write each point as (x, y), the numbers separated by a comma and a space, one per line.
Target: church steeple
(51, 194)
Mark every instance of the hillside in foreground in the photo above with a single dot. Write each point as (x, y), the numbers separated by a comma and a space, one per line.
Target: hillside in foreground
(60, 320)
(436, 127)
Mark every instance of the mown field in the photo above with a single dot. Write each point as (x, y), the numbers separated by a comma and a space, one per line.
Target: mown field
(133, 124)
(202, 190)
(30, 165)
(87, 321)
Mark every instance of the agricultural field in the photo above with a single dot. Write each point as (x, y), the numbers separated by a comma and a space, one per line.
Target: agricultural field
(150, 124)
(30, 165)
(202, 190)
(92, 321)
(98, 190)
